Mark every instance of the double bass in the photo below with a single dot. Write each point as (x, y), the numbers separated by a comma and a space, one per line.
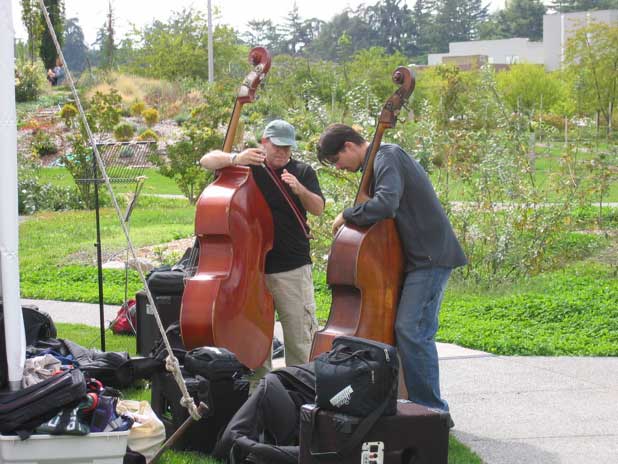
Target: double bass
(365, 264)
(226, 303)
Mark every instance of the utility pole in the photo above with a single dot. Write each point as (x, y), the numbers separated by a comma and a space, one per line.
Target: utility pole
(211, 67)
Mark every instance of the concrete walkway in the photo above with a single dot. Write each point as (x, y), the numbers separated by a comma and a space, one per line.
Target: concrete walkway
(508, 409)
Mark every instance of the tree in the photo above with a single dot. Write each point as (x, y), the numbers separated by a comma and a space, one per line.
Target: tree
(105, 41)
(525, 87)
(47, 50)
(566, 6)
(257, 32)
(296, 31)
(523, 18)
(457, 20)
(421, 28)
(75, 49)
(392, 24)
(592, 58)
(329, 44)
(263, 32)
(108, 44)
(178, 48)
(493, 28)
(31, 17)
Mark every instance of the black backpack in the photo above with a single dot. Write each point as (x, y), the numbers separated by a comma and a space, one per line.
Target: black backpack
(25, 409)
(37, 325)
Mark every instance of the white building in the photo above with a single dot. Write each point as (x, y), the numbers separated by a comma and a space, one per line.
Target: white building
(557, 29)
(502, 51)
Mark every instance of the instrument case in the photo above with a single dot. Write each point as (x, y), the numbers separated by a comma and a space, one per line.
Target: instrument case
(146, 331)
(415, 434)
(223, 399)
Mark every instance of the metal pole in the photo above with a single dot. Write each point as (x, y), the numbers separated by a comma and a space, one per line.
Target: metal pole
(95, 171)
(211, 67)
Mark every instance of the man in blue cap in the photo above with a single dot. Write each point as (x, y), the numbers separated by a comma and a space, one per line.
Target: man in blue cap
(288, 264)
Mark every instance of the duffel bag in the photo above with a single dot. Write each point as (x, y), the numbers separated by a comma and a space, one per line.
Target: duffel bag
(357, 377)
(214, 363)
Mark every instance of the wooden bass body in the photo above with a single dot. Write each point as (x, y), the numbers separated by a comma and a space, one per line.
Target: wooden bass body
(226, 303)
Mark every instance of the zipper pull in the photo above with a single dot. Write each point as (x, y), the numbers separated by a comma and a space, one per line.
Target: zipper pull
(388, 358)
(373, 376)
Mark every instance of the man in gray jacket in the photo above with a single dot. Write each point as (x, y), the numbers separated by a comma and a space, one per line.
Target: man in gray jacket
(403, 191)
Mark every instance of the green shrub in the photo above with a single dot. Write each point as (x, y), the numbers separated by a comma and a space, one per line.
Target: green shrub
(124, 131)
(556, 121)
(67, 113)
(151, 116)
(28, 81)
(42, 143)
(33, 197)
(148, 134)
(105, 110)
(137, 108)
(181, 118)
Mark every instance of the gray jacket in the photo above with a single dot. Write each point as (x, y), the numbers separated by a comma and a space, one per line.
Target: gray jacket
(402, 190)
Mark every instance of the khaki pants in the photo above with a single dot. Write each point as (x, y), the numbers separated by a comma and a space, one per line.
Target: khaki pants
(292, 293)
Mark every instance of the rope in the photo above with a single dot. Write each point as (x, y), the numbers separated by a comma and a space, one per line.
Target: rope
(171, 363)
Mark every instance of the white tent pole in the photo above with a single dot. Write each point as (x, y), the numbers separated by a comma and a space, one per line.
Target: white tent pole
(9, 230)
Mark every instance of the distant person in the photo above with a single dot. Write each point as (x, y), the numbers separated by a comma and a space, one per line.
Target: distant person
(55, 76)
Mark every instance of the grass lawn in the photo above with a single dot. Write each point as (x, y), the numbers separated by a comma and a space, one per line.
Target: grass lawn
(154, 184)
(58, 259)
(568, 312)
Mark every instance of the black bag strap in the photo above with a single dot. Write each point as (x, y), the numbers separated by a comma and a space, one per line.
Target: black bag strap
(355, 438)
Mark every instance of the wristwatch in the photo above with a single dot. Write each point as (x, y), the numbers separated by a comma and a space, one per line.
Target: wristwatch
(233, 157)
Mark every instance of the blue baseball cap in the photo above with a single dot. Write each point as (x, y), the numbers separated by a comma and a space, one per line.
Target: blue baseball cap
(280, 133)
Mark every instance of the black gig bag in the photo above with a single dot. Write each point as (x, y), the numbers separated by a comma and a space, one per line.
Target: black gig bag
(214, 363)
(166, 282)
(357, 377)
(38, 325)
(25, 409)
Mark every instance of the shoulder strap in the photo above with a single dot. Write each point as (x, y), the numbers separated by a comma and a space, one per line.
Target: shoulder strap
(299, 217)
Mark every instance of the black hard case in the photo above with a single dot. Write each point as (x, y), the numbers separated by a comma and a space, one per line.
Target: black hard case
(223, 399)
(147, 331)
(415, 434)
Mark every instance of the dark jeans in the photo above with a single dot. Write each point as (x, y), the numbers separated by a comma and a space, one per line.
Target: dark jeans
(415, 330)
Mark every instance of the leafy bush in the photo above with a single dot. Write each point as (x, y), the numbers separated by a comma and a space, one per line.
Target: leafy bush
(33, 197)
(201, 136)
(28, 81)
(137, 108)
(105, 110)
(181, 119)
(42, 143)
(151, 116)
(67, 113)
(148, 134)
(124, 131)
